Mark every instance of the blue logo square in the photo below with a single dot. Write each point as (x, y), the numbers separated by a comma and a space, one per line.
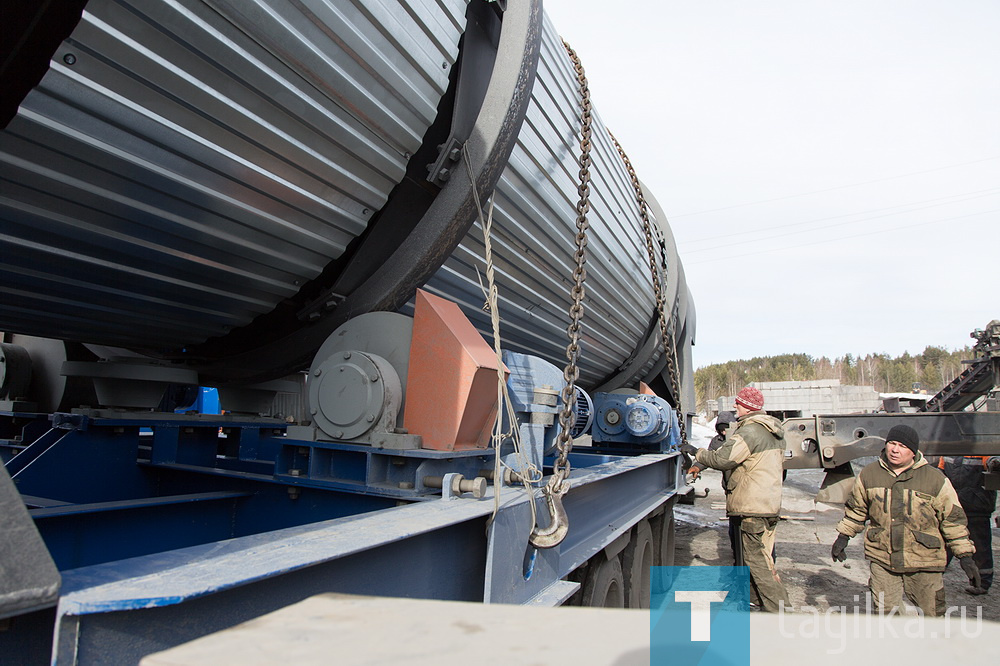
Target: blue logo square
(700, 616)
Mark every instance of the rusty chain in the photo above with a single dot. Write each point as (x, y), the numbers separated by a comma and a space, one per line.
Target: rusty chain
(666, 330)
(557, 486)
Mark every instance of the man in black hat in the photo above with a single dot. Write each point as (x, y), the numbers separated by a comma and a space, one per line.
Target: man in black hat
(915, 515)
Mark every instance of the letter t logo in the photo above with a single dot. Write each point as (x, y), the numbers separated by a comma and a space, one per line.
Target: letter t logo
(701, 605)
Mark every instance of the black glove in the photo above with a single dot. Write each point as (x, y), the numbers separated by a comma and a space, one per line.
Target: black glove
(689, 449)
(838, 548)
(972, 571)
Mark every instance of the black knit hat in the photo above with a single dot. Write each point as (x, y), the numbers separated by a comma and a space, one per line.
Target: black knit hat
(906, 436)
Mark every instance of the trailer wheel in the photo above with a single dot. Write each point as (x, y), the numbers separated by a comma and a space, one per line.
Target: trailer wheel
(604, 586)
(637, 558)
(666, 549)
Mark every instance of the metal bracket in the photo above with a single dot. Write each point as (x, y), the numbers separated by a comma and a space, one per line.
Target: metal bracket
(65, 421)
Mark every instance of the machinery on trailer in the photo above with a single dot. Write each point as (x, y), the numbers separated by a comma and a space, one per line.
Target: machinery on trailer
(304, 206)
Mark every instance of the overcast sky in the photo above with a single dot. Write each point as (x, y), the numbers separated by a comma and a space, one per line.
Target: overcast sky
(830, 169)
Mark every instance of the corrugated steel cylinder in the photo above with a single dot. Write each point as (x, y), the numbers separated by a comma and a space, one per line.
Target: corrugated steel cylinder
(186, 169)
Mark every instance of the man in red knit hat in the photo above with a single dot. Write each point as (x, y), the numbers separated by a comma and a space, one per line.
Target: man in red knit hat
(751, 460)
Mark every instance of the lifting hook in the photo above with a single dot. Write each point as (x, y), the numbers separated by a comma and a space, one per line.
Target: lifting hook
(553, 535)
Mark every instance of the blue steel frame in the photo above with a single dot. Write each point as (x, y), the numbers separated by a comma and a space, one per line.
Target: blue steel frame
(436, 550)
(173, 527)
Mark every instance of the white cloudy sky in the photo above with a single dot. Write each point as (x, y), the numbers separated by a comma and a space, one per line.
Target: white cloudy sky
(830, 169)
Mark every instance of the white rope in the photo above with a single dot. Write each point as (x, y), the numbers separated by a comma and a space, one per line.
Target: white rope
(529, 473)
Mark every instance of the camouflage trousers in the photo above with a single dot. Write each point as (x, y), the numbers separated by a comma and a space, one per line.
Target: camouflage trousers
(924, 588)
(757, 541)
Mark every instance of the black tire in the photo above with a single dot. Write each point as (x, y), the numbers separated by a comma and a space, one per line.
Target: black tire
(604, 586)
(637, 560)
(665, 550)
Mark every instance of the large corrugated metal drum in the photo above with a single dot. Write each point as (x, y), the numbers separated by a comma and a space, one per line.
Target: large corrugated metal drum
(224, 182)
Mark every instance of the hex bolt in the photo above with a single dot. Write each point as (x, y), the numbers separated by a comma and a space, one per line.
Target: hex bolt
(828, 452)
(293, 492)
(317, 372)
(476, 486)
(295, 472)
(370, 418)
(510, 477)
(460, 484)
(347, 355)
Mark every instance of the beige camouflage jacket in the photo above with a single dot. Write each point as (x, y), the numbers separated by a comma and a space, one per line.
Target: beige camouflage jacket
(751, 460)
(913, 517)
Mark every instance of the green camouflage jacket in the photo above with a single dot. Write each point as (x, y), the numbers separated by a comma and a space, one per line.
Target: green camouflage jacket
(913, 516)
(751, 461)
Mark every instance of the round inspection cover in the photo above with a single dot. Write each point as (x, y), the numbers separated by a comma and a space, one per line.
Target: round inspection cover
(348, 393)
(384, 335)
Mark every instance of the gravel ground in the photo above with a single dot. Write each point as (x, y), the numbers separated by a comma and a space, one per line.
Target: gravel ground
(803, 547)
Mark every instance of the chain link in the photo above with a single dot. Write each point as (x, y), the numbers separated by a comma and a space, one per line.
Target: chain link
(558, 484)
(572, 372)
(666, 330)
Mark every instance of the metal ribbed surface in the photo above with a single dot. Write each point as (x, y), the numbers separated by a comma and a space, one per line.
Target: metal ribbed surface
(534, 229)
(185, 166)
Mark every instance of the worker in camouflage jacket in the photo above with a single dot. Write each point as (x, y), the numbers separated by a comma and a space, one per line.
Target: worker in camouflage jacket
(915, 515)
(966, 476)
(751, 459)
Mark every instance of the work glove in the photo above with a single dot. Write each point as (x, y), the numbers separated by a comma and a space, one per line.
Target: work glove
(972, 571)
(689, 449)
(838, 548)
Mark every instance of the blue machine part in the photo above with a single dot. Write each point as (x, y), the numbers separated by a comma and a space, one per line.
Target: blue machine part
(207, 402)
(533, 386)
(634, 419)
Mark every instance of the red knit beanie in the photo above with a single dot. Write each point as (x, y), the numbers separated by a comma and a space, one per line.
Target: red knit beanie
(751, 398)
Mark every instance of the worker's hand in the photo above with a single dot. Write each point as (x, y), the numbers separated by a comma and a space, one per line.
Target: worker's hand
(838, 548)
(972, 571)
(694, 471)
(689, 449)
